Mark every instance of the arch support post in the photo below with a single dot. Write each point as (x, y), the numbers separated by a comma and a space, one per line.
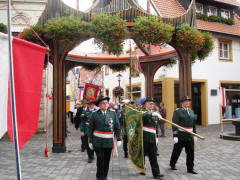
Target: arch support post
(185, 74)
(59, 52)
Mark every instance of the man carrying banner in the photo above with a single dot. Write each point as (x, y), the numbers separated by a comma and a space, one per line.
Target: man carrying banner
(84, 126)
(184, 117)
(103, 126)
(149, 136)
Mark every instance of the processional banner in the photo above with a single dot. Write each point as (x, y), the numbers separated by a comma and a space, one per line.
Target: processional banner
(135, 137)
(90, 90)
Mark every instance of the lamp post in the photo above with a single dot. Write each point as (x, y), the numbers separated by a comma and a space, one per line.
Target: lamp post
(119, 80)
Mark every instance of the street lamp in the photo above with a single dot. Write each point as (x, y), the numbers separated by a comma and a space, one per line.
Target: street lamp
(119, 79)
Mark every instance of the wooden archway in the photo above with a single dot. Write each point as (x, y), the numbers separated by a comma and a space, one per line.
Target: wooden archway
(128, 10)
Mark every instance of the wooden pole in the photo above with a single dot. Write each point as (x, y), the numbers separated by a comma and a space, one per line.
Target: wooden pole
(180, 127)
(130, 72)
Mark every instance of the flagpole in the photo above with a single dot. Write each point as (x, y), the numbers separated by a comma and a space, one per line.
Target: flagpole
(130, 72)
(12, 92)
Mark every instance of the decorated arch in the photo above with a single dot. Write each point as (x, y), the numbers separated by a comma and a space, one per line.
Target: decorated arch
(61, 28)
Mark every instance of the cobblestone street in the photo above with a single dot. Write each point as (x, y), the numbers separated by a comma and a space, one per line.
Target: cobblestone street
(215, 159)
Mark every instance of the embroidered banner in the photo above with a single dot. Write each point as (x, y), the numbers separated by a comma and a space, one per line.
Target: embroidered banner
(135, 137)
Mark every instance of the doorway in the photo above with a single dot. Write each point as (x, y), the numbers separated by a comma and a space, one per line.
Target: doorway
(196, 102)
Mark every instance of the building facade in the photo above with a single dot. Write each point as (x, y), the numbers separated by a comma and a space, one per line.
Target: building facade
(219, 69)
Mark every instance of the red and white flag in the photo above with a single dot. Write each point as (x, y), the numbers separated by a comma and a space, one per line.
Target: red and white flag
(28, 64)
(223, 96)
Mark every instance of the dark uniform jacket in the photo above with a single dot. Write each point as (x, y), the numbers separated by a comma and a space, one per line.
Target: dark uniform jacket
(103, 124)
(85, 120)
(122, 120)
(182, 118)
(149, 121)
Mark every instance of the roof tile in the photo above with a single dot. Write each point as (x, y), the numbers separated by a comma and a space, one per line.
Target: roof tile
(169, 8)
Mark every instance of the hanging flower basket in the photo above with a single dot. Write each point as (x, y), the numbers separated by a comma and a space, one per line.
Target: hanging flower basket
(151, 30)
(118, 67)
(189, 38)
(118, 91)
(109, 31)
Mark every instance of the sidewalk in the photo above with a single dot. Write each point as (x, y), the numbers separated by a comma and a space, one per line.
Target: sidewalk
(215, 159)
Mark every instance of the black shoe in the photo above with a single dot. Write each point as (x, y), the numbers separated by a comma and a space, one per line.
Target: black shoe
(192, 171)
(158, 176)
(82, 150)
(173, 167)
(126, 156)
(157, 154)
(90, 160)
(142, 173)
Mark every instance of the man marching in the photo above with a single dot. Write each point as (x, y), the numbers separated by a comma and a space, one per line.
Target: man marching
(149, 135)
(103, 126)
(184, 117)
(84, 126)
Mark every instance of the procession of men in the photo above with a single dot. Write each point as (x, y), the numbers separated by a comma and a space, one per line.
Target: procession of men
(103, 129)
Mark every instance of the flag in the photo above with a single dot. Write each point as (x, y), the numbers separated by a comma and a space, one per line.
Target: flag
(135, 137)
(90, 90)
(28, 64)
(223, 96)
(4, 74)
(135, 66)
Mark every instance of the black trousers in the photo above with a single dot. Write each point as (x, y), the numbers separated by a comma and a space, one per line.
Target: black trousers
(82, 143)
(150, 151)
(89, 151)
(125, 145)
(189, 149)
(103, 159)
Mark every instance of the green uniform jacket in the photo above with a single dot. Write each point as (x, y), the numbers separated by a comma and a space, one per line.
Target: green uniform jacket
(100, 123)
(85, 120)
(182, 118)
(149, 121)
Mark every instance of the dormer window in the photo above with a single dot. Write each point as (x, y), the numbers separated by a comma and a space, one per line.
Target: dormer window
(199, 8)
(211, 11)
(225, 13)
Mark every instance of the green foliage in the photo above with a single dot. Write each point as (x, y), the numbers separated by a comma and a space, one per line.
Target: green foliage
(229, 21)
(110, 32)
(118, 67)
(68, 28)
(189, 39)
(29, 34)
(151, 30)
(3, 28)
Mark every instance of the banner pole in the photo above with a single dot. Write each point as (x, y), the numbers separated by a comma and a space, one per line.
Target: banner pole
(12, 93)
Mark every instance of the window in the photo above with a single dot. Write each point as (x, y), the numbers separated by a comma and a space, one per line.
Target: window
(232, 94)
(211, 11)
(136, 93)
(225, 49)
(199, 8)
(225, 13)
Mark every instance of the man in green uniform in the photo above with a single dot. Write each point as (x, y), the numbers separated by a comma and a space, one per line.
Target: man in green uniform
(149, 136)
(84, 126)
(184, 117)
(104, 125)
